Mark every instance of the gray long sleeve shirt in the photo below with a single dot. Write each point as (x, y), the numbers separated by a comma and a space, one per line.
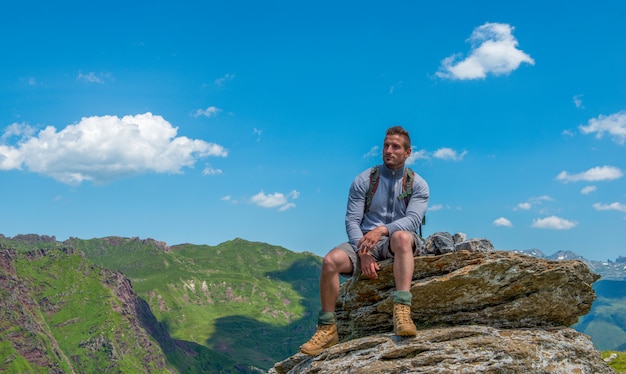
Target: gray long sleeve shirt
(385, 209)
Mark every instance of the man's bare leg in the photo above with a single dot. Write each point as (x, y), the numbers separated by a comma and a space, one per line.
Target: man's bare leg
(403, 265)
(334, 263)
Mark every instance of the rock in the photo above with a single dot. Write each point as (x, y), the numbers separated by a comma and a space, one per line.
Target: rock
(474, 245)
(459, 349)
(459, 237)
(499, 289)
(477, 311)
(439, 243)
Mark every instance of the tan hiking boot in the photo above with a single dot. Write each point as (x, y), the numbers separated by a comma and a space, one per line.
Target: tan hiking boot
(402, 322)
(325, 336)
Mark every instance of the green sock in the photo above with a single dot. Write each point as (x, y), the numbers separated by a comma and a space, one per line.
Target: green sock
(326, 318)
(402, 297)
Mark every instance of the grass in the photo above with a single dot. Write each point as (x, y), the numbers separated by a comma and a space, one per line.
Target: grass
(82, 313)
(228, 298)
(618, 363)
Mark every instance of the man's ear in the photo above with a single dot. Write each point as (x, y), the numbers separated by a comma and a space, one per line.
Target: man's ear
(408, 151)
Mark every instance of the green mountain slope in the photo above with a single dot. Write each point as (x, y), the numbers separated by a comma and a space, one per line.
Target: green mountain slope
(61, 313)
(232, 307)
(248, 301)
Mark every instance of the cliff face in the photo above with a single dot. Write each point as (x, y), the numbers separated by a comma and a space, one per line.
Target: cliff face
(22, 324)
(476, 310)
(65, 314)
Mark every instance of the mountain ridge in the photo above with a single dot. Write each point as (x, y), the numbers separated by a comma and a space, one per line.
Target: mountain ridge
(251, 303)
(608, 270)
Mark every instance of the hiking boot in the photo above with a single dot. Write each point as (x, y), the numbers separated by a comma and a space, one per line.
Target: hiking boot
(325, 336)
(402, 322)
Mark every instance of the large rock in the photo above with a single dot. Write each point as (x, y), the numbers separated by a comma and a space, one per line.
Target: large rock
(460, 349)
(477, 311)
(497, 288)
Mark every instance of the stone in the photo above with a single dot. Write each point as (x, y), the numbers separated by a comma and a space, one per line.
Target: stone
(477, 310)
(458, 349)
(498, 288)
(459, 237)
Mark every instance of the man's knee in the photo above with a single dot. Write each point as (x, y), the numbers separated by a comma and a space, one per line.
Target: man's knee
(336, 261)
(402, 242)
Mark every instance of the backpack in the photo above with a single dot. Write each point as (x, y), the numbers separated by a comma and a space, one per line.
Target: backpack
(407, 189)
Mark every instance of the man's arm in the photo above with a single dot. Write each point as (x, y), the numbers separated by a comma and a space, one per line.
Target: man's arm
(356, 209)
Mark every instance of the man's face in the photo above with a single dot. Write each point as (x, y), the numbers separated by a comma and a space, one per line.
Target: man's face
(394, 153)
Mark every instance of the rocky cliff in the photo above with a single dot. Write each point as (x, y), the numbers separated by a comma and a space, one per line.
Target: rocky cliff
(51, 323)
(60, 313)
(477, 311)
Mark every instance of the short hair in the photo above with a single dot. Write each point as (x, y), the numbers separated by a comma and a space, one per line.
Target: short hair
(398, 130)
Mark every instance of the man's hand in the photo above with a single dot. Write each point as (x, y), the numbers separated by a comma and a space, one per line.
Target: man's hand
(368, 242)
(371, 238)
(369, 266)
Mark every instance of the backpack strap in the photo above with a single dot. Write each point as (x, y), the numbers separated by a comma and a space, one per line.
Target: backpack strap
(407, 189)
(374, 178)
(407, 186)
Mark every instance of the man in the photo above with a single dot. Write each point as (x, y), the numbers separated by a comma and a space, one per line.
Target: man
(379, 226)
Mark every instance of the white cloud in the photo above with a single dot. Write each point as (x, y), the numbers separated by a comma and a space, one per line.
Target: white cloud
(613, 206)
(222, 80)
(539, 199)
(416, 155)
(578, 101)
(373, 152)
(208, 170)
(494, 51)
(587, 190)
(435, 207)
(209, 112)
(442, 153)
(449, 154)
(286, 206)
(553, 223)
(502, 222)
(17, 130)
(92, 77)
(392, 89)
(258, 133)
(614, 125)
(533, 201)
(598, 173)
(102, 149)
(274, 200)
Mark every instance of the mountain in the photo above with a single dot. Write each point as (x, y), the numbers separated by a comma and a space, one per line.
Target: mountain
(239, 306)
(608, 270)
(247, 304)
(60, 313)
(606, 321)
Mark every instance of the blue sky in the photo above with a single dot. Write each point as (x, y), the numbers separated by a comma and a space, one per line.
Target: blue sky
(205, 121)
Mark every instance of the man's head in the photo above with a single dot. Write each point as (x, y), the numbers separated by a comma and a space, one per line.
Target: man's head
(396, 148)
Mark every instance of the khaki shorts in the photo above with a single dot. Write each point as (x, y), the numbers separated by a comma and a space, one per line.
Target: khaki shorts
(381, 252)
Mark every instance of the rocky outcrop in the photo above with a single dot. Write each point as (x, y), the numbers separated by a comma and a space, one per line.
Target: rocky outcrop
(458, 349)
(499, 289)
(476, 310)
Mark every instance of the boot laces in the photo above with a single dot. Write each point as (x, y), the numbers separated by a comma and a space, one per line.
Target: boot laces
(321, 334)
(403, 314)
